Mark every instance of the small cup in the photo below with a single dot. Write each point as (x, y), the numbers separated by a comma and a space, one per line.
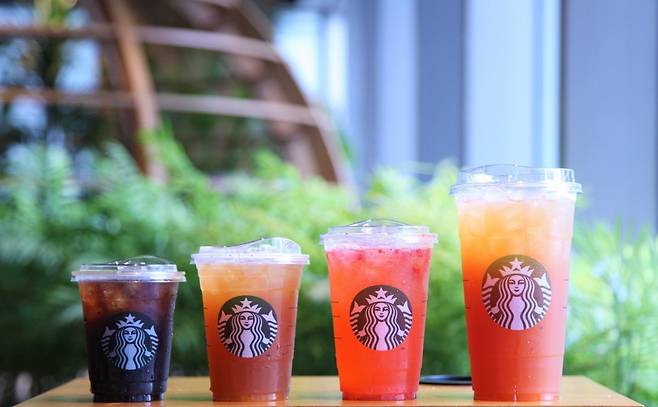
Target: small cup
(128, 308)
(378, 275)
(250, 307)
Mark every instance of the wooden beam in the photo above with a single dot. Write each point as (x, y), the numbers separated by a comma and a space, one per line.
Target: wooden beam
(102, 99)
(169, 36)
(228, 4)
(216, 105)
(227, 106)
(140, 82)
(97, 31)
(208, 40)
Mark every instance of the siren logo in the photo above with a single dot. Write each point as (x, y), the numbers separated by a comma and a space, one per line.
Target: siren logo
(381, 317)
(516, 292)
(129, 341)
(247, 326)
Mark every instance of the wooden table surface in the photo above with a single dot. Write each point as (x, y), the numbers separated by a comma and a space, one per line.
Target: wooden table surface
(324, 391)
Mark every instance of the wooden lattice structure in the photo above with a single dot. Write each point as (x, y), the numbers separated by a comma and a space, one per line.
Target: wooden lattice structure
(235, 28)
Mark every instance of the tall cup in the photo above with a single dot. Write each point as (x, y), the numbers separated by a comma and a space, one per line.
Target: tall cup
(250, 309)
(128, 307)
(378, 275)
(515, 227)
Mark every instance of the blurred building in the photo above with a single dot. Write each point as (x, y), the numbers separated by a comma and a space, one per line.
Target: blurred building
(550, 83)
(411, 83)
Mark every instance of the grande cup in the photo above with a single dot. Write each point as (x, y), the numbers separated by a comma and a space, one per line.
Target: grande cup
(250, 310)
(128, 308)
(378, 276)
(515, 227)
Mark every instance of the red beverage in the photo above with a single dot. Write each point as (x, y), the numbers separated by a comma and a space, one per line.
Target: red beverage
(515, 228)
(378, 274)
(128, 309)
(250, 308)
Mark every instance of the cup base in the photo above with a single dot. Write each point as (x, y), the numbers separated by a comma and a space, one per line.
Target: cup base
(380, 396)
(516, 396)
(115, 398)
(250, 397)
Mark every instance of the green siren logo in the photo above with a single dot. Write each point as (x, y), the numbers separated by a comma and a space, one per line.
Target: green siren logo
(381, 317)
(516, 292)
(129, 341)
(247, 326)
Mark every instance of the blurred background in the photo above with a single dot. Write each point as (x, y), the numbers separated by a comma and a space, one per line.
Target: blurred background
(139, 126)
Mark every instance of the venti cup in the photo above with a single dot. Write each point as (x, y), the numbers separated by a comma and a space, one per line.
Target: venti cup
(515, 227)
(128, 308)
(378, 275)
(250, 310)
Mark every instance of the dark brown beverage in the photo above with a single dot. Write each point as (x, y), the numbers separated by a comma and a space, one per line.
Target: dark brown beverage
(129, 329)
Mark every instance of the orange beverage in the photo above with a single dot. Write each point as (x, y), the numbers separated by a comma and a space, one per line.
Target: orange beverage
(250, 310)
(515, 227)
(378, 274)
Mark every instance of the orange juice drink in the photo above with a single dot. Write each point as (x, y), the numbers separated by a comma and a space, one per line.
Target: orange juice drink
(515, 227)
(250, 310)
(378, 275)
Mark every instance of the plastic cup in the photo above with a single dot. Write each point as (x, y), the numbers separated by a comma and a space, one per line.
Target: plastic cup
(250, 309)
(378, 276)
(128, 308)
(515, 227)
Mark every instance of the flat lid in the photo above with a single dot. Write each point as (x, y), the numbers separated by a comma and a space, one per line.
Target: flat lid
(511, 175)
(141, 268)
(272, 250)
(379, 232)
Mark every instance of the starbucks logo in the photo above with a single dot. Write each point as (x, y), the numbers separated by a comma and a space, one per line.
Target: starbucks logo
(516, 292)
(129, 341)
(247, 326)
(381, 317)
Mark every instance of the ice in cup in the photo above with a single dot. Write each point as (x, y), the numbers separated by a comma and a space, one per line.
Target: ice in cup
(515, 227)
(128, 308)
(250, 310)
(378, 276)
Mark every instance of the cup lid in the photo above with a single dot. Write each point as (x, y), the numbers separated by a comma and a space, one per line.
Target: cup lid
(139, 268)
(272, 250)
(380, 232)
(517, 176)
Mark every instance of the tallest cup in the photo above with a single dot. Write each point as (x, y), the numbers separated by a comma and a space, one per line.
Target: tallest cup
(515, 227)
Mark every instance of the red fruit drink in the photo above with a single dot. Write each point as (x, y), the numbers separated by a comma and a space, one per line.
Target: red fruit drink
(378, 274)
(515, 226)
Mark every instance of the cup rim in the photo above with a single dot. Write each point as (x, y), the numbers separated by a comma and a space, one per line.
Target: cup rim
(139, 268)
(272, 250)
(380, 233)
(517, 177)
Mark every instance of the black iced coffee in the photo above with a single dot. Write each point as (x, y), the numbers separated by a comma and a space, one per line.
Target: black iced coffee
(128, 309)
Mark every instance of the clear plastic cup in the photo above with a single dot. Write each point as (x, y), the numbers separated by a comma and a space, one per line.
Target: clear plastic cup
(378, 275)
(128, 308)
(250, 309)
(515, 227)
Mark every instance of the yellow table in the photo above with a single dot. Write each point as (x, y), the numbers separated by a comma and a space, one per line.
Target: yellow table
(323, 391)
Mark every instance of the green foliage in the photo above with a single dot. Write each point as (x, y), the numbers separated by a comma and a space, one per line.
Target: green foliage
(58, 211)
(613, 328)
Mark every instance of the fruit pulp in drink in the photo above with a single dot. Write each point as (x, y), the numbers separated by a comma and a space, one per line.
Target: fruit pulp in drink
(367, 369)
